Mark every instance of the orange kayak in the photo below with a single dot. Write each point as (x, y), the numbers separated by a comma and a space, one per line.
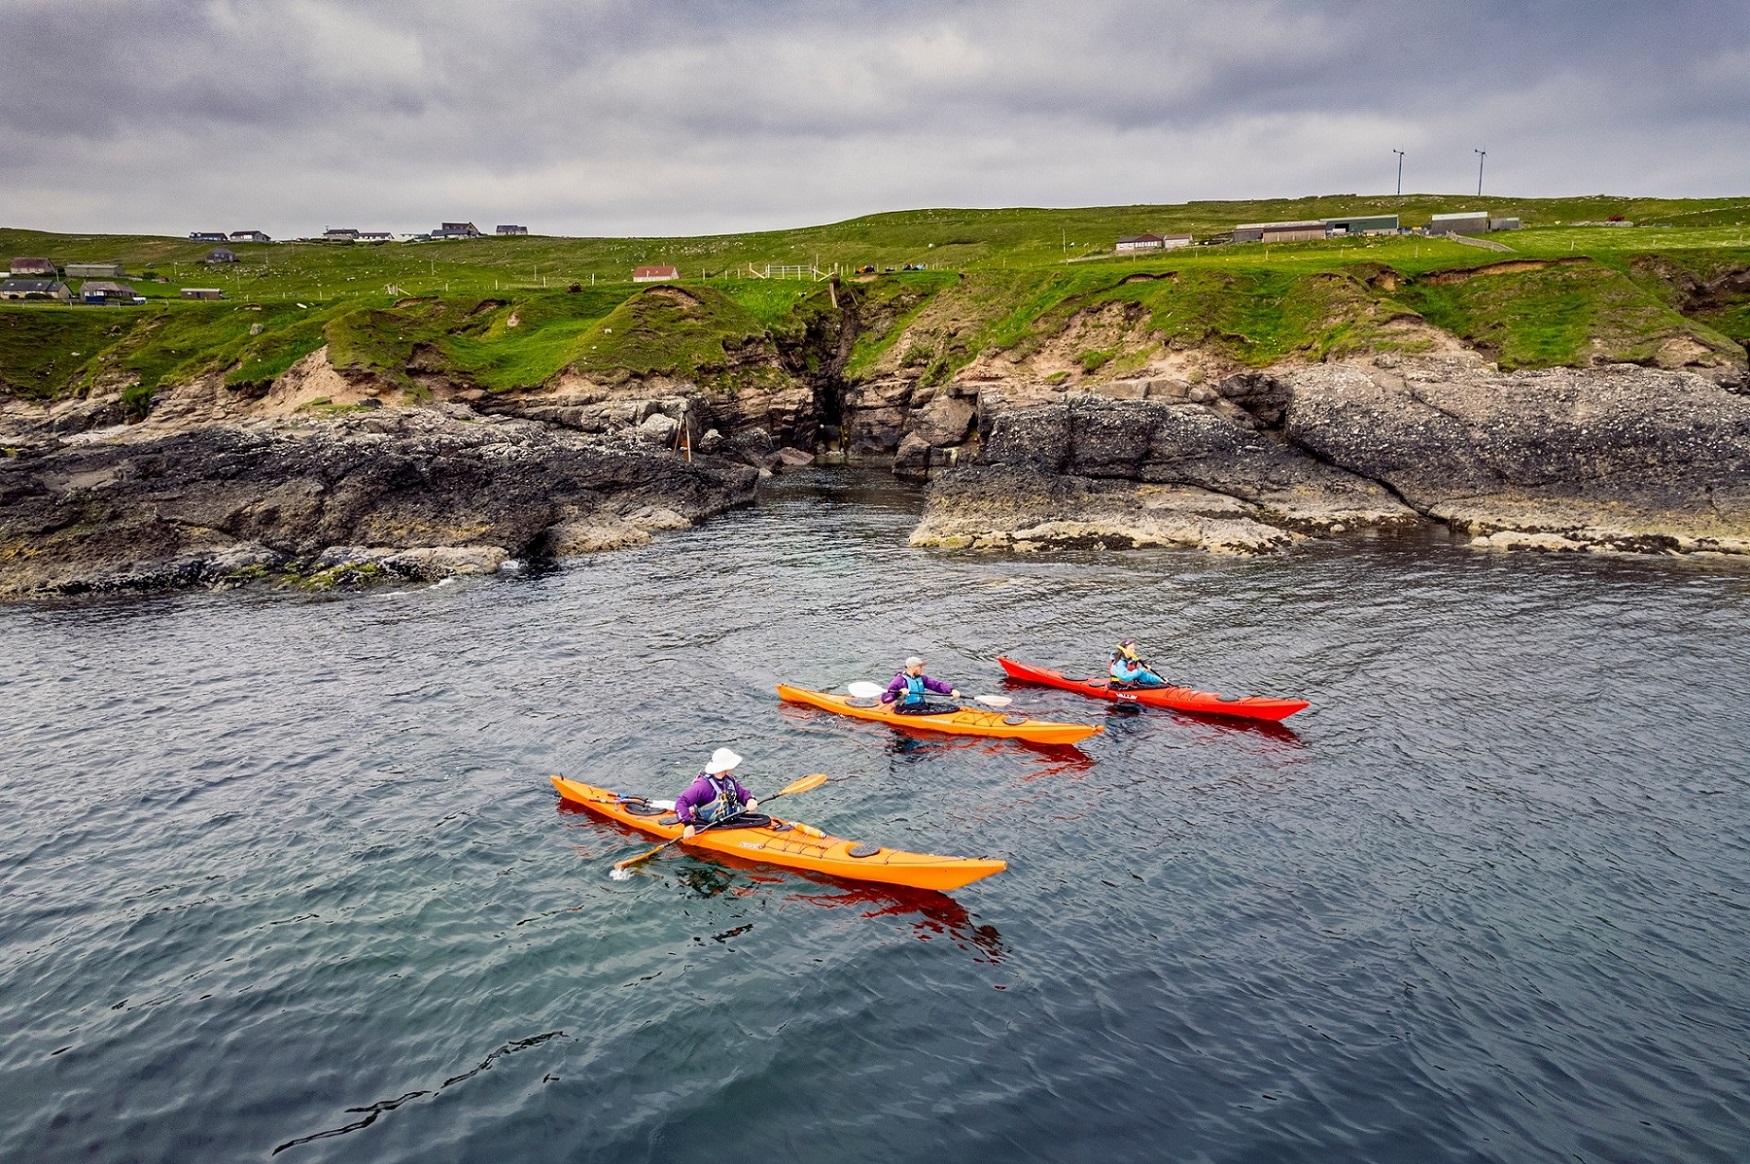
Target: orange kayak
(964, 722)
(1178, 698)
(790, 844)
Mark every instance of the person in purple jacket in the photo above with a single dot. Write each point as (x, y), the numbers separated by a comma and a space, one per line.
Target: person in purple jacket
(909, 691)
(716, 795)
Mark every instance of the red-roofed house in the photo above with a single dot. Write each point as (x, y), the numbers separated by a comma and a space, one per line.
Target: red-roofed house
(658, 274)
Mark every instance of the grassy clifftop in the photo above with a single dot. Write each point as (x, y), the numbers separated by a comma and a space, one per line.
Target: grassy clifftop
(516, 312)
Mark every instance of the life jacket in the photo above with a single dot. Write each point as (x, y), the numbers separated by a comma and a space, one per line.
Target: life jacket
(915, 691)
(725, 803)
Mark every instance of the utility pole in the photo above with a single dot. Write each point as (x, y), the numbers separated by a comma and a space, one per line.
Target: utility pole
(1481, 154)
(1400, 154)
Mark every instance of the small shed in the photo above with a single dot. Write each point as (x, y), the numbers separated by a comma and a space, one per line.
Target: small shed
(1138, 242)
(512, 230)
(33, 268)
(1169, 241)
(1503, 224)
(95, 271)
(98, 291)
(45, 289)
(221, 255)
(249, 236)
(654, 274)
(1463, 222)
(202, 293)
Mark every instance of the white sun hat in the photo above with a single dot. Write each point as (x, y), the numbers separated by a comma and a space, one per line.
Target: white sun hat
(722, 760)
(914, 661)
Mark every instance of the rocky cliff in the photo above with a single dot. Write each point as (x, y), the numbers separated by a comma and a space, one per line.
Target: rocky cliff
(1611, 458)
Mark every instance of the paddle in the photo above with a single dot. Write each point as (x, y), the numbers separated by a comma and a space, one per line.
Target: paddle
(862, 690)
(807, 783)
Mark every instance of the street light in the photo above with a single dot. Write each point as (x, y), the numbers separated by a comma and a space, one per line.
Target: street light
(1481, 154)
(1400, 154)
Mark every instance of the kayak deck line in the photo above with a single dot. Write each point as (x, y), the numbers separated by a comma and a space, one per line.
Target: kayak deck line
(1189, 699)
(790, 844)
(960, 722)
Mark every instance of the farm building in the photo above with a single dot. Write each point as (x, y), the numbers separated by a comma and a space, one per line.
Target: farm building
(1503, 224)
(98, 291)
(656, 274)
(1363, 224)
(339, 233)
(249, 236)
(209, 236)
(35, 289)
(1269, 232)
(202, 293)
(1169, 241)
(95, 271)
(1138, 242)
(456, 230)
(1464, 222)
(32, 268)
(221, 255)
(512, 230)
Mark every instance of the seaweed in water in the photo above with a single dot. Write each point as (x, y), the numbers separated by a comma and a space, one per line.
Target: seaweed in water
(372, 1111)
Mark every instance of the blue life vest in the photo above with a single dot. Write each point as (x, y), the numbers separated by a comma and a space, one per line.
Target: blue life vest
(915, 691)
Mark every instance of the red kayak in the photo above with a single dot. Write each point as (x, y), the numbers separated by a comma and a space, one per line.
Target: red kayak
(1177, 698)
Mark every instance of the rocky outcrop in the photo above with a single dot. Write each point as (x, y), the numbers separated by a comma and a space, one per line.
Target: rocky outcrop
(1143, 472)
(411, 492)
(1612, 458)
(1617, 457)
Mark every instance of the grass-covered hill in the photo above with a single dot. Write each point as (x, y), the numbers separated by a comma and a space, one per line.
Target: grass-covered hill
(515, 312)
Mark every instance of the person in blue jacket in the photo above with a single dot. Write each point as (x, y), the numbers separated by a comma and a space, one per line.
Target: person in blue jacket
(715, 795)
(1128, 670)
(910, 691)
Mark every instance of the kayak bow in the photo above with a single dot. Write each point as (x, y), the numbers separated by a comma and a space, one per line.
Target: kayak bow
(965, 721)
(1178, 698)
(789, 844)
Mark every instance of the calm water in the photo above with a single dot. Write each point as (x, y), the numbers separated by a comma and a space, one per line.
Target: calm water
(284, 872)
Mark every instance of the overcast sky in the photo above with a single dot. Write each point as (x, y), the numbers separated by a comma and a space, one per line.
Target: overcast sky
(691, 116)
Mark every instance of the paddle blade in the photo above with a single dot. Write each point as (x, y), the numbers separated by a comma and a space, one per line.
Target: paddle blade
(863, 690)
(807, 784)
(993, 700)
(620, 867)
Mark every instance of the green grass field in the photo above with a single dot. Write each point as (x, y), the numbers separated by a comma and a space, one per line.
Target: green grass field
(501, 312)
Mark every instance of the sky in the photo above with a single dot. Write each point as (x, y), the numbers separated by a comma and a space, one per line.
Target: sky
(673, 117)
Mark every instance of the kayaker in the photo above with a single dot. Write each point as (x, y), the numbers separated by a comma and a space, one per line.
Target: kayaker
(909, 691)
(716, 794)
(1128, 670)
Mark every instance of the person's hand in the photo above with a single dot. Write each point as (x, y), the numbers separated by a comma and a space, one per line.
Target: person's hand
(753, 802)
(688, 832)
(954, 694)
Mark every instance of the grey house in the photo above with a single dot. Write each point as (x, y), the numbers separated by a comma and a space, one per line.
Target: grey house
(221, 255)
(44, 289)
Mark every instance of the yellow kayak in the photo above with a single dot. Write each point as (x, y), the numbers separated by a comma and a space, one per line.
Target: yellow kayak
(964, 722)
(788, 843)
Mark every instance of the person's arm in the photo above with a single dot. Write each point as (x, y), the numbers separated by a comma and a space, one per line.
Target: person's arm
(749, 800)
(941, 688)
(894, 688)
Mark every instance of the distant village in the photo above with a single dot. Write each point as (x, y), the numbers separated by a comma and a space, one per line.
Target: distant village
(103, 284)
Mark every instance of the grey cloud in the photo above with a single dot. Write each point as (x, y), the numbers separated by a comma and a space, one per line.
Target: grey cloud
(693, 116)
